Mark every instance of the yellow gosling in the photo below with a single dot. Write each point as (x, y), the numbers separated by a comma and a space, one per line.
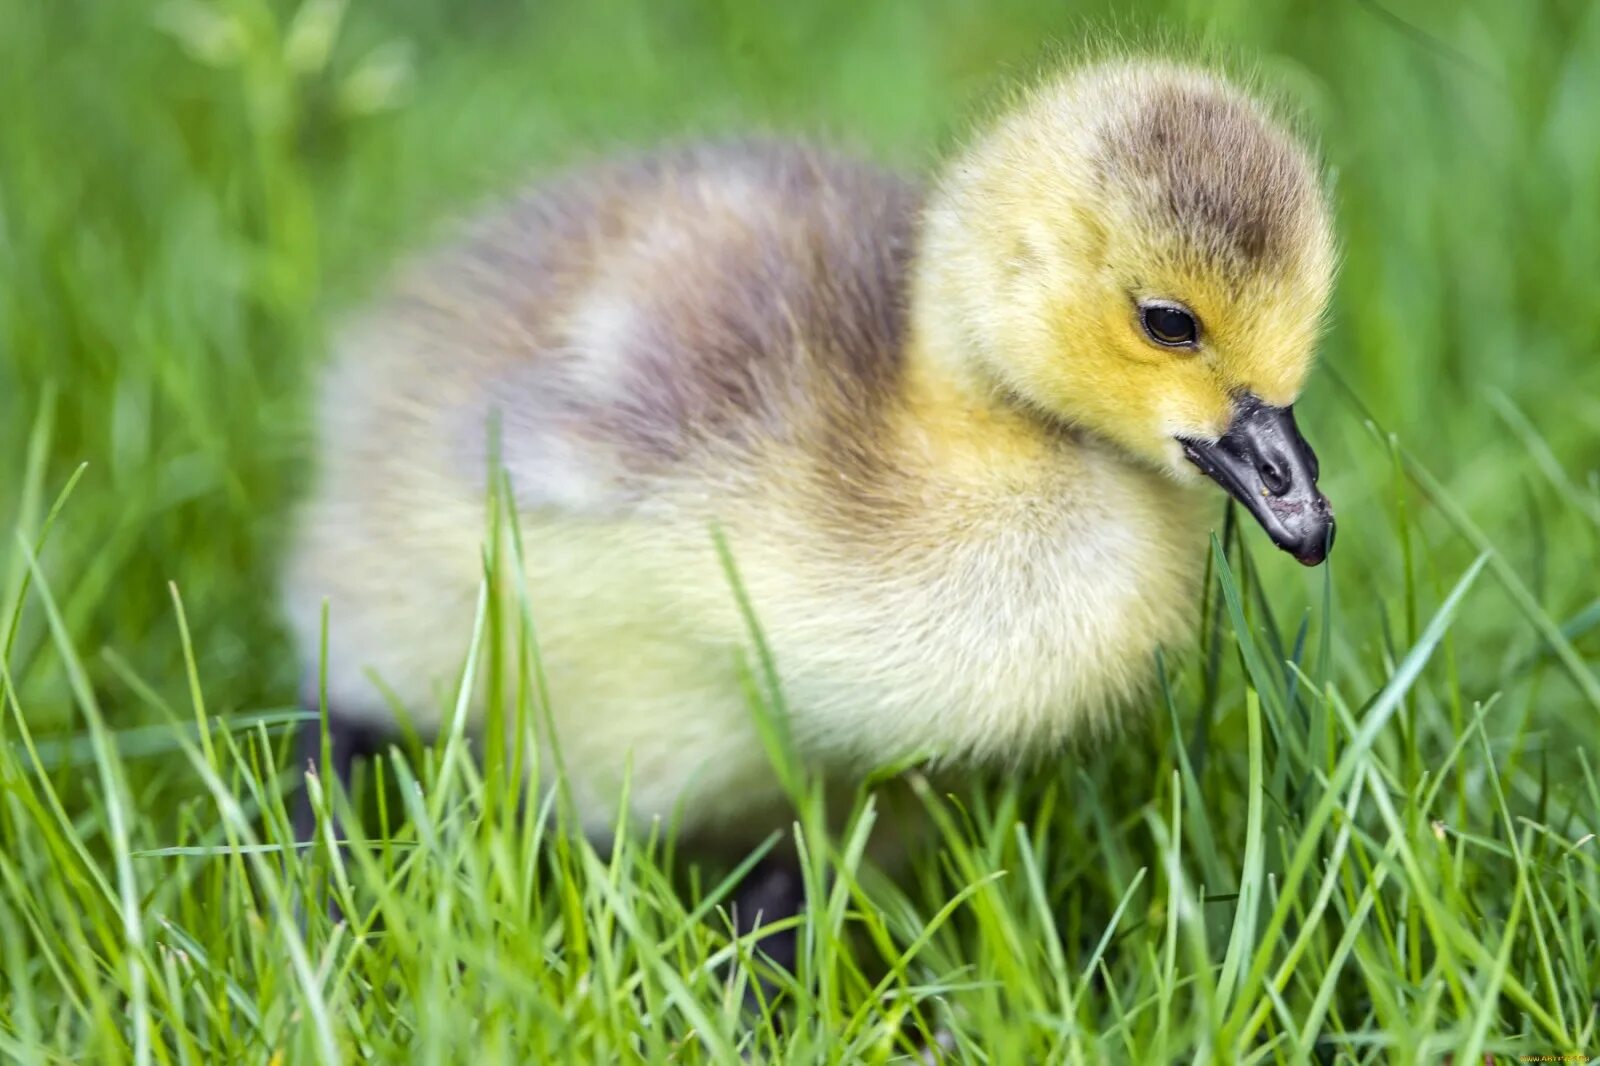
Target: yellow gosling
(957, 438)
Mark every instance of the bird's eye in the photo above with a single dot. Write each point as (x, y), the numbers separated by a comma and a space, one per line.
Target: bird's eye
(1168, 325)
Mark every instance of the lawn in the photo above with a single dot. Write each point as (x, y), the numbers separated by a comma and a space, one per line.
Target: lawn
(1355, 824)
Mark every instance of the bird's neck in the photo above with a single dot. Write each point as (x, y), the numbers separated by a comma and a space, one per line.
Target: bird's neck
(954, 417)
(952, 421)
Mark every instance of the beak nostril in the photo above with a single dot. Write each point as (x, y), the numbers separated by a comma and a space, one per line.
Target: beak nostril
(1273, 477)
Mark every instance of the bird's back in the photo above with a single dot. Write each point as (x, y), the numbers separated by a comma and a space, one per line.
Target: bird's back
(624, 320)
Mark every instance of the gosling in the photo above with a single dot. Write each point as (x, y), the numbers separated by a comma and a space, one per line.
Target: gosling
(955, 440)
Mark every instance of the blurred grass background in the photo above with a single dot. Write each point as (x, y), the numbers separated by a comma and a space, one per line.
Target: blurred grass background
(190, 192)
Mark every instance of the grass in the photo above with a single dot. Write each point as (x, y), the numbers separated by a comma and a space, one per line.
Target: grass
(1356, 824)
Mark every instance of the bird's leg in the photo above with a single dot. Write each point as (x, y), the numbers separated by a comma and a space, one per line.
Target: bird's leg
(348, 740)
(771, 892)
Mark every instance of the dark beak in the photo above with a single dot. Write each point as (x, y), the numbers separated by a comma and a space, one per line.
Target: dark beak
(1264, 462)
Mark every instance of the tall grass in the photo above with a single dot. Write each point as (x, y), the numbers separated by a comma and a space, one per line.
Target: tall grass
(1354, 824)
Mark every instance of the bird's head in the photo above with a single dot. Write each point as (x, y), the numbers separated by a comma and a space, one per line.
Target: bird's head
(1141, 251)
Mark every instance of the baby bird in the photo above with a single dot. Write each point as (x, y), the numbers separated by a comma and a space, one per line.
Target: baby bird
(955, 439)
